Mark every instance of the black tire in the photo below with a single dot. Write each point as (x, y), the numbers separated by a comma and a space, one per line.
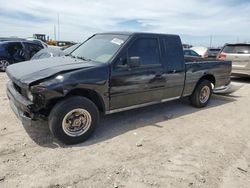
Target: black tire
(195, 98)
(59, 113)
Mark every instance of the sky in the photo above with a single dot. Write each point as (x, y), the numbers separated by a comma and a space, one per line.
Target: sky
(198, 22)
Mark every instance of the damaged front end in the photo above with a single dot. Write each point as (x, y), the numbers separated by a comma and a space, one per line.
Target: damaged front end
(36, 86)
(24, 108)
(31, 102)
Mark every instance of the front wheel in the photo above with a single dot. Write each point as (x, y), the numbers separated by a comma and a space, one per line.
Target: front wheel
(73, 120)
(4, 64)
(201, 94)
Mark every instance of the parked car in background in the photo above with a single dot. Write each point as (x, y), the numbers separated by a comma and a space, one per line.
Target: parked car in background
(202, 51)
(48, 52)
(40, 42)
(15, 51)
(3, 39)
(213, 52)
(187, 46)
(190, 53)
(206, 52)
(43, 43)
(71, 48)
(239, 54)
(54, 52)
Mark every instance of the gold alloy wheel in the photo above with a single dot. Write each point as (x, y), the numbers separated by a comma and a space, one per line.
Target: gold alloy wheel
(76, 122)
(204, 94)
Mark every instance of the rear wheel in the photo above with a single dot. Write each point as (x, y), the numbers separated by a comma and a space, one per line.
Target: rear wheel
(73, 120)
(4, 64)
(201, 94)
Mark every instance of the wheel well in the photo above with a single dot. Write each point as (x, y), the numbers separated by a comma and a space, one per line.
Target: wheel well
(91, 95)
(208, 77)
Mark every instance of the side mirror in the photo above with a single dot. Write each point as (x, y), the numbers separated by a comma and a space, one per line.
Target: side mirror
(134, 62)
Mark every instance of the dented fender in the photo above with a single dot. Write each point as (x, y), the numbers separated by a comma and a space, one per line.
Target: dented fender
(82, 80)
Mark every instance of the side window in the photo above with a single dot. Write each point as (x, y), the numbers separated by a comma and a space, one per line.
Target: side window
(147, 49)
(193, 53)
(15, 49)
(121, 62)
(32, 49)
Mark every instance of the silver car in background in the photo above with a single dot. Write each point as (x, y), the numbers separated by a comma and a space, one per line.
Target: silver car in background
(239, 54)
(201, 50)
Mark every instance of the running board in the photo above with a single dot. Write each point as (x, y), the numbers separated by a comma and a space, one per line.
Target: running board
(140, 105)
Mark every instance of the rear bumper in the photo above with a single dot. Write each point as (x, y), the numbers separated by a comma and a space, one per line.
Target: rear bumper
(227, 89)
(20, 105)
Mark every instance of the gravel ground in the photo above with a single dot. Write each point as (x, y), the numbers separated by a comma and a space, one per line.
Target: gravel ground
(165, 145)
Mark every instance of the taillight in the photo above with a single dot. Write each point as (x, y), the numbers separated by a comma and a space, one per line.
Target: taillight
(222, 56)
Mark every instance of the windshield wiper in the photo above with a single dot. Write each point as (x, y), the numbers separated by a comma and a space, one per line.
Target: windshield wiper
(82, 58)
(78, 57)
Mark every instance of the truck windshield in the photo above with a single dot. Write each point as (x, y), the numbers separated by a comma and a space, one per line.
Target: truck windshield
(100, 47)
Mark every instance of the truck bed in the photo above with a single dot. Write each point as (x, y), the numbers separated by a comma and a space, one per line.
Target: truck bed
(198, 67)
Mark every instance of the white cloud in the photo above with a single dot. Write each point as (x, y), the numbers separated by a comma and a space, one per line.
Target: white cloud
(80, 19)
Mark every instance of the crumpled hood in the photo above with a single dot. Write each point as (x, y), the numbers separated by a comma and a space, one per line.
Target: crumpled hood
(29, 71)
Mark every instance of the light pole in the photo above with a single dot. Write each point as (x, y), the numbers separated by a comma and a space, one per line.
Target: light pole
(58, 22)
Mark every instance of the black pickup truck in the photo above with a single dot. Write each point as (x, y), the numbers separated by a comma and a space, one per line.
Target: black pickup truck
(108, 73)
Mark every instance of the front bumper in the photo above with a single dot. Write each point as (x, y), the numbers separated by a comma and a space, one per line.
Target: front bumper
(20, 105)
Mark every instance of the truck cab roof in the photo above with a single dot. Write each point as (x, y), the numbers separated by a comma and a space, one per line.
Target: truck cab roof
(136, 33)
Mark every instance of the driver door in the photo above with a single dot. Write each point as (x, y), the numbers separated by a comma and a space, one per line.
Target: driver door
(142, 84)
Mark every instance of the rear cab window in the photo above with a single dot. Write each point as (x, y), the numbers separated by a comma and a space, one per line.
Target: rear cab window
(173, 53)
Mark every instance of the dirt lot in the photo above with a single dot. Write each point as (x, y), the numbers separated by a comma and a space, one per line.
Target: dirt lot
(166, 145)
